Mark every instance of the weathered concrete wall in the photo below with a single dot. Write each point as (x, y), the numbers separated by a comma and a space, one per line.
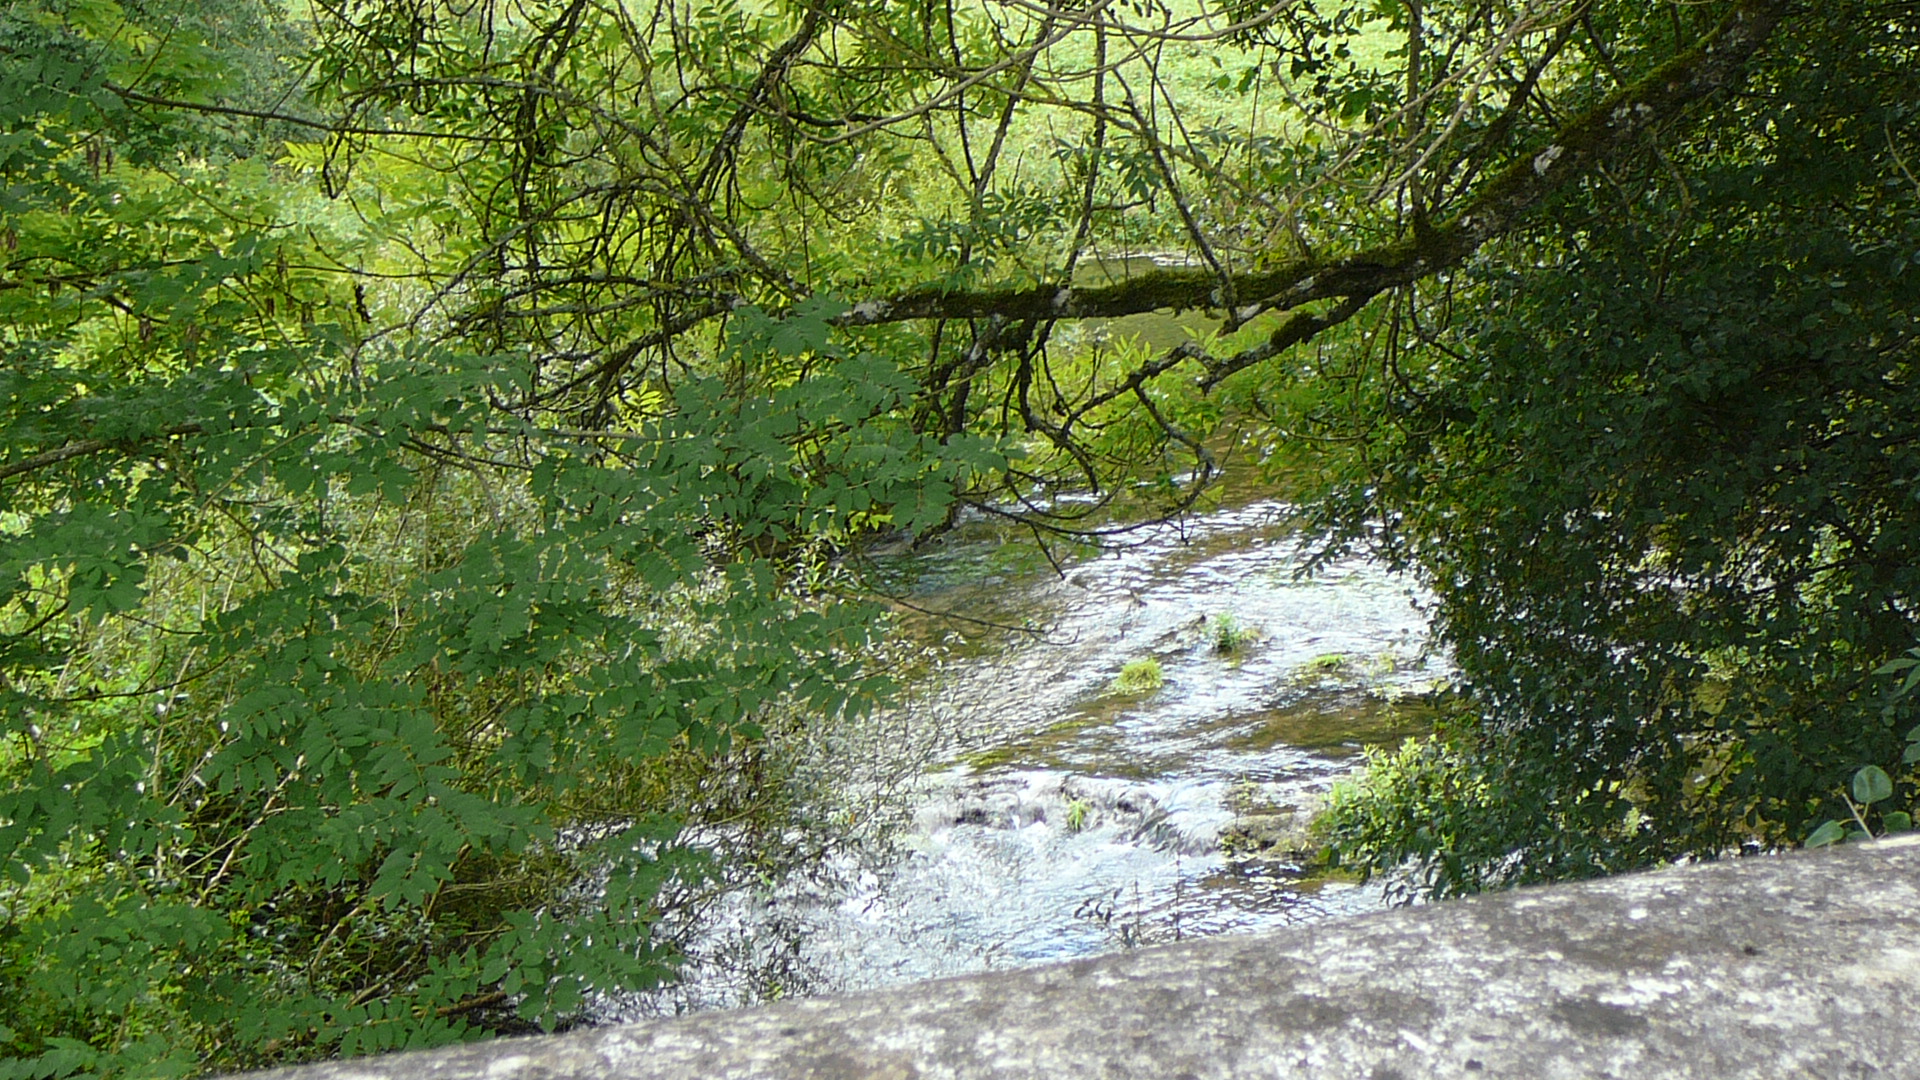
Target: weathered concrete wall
(1806, 965)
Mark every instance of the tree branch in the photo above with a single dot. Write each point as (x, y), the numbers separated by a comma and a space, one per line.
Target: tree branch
(1603, 132)
(84, 447)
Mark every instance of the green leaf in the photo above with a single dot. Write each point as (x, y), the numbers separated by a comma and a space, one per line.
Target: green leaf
(1910, 664)
(1829, 832)
(1897, 821)
(1872, 784)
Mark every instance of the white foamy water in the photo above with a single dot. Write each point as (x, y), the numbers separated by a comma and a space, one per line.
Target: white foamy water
(1074, 820)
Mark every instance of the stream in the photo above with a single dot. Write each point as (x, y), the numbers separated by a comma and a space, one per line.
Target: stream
(1063, 817)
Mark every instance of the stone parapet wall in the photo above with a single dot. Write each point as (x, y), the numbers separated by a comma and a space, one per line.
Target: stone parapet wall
(1801, 965)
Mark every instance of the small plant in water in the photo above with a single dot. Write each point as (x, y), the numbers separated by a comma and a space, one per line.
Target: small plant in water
(1327, 663)
(1229, 636)
(1139, 676)
(1077, 811)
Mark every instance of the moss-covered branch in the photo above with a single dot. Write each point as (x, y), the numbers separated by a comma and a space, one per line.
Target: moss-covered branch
(1612, 128)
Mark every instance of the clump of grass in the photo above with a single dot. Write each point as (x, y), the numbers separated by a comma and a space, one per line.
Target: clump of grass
(1139, 676)
(1229, 636)
(1327, 663)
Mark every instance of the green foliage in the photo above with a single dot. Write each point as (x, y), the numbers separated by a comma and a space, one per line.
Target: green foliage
(1422, 801)
(1871, 784)
(346, 707)
(428, 434)
(1438, 816)
(1659, 473)
(1908, 667)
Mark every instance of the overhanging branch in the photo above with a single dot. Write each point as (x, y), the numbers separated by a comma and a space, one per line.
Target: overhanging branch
(1603, 132)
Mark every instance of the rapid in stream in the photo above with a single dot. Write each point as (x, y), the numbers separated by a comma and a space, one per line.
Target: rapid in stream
(1065, 818)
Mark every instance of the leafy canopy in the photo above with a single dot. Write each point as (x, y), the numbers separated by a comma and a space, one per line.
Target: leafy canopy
(1662, 478)
(428, 425)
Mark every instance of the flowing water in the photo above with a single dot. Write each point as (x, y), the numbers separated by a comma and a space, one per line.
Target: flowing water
(1070, 818)
(1063, 817)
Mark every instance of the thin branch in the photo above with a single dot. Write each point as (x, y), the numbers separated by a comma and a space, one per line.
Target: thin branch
(331, 127)
(1502, 204)
(83, 448)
